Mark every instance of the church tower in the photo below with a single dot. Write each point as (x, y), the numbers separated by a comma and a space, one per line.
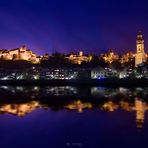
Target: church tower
(140, 55)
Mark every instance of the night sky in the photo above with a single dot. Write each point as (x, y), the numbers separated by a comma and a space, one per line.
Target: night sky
(93, 26)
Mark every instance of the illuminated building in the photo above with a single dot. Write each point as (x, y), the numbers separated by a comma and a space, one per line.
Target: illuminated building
(129, 56)
(78, 59)
(60, 73)
(98, 73)
(140, 54)
(102, 73)
(126, 106)
(123, 73)
(110, 56)
(38, 73)
(21, 53)
(28, 74)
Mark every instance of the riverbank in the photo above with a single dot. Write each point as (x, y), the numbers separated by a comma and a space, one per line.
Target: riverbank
(79, 82)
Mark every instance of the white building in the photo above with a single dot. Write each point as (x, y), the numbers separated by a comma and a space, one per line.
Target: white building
(140, 54)
(102, 73)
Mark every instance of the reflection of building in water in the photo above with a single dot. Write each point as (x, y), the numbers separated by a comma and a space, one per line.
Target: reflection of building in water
(78, 105)
(61, 91)
(110, 106)
(140, 110)
(126, 106)
(98, 91)
(139, 106)
(19, 109)
(102, 91)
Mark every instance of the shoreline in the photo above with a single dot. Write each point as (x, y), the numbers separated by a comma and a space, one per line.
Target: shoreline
(78, 82)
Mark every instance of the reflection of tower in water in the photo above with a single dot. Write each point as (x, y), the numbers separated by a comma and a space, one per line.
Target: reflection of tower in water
(140, 110)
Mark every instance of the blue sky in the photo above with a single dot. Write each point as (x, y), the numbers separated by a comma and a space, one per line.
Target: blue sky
(93, 26)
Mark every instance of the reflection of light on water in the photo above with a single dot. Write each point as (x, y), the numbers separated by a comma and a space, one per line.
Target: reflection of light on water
(123, 90)
(4, 87)
(139, 106)
(16, 89)
(20, 88)
(61, 90)
(112, 99)
(97, 90)
(140, 110)
(36, 88)
(110, 106)
(78, 105)
(19, 109)
(23, 109)
(102, 91)
(139, 89)
(112, 92)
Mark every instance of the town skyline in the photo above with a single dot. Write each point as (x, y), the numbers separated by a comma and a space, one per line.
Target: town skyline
(65, 26)
(73, 73)
(100, 51)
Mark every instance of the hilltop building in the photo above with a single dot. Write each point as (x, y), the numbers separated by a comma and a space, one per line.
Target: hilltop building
(21, 53)
(79, 58)
(110, 56)
(127, 57)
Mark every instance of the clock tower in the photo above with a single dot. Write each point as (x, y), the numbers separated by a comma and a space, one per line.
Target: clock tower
(140, 54)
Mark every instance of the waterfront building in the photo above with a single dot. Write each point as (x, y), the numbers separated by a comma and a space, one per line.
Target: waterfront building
(58, 73)
(141, 72)
(102, 73)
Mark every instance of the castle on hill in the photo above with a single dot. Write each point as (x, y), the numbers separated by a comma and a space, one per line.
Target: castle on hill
(21, 53)
(25, 54)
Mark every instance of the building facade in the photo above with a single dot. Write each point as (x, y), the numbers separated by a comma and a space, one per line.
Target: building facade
(21, 53)
(78, 58)
(140, 54)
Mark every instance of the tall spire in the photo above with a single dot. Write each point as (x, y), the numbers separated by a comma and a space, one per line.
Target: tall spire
(139, 33)
(140, 55)
(140, 38)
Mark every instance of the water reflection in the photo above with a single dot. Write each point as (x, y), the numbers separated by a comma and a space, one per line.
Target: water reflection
(19, 109)
(21, 101)
(78, 105)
